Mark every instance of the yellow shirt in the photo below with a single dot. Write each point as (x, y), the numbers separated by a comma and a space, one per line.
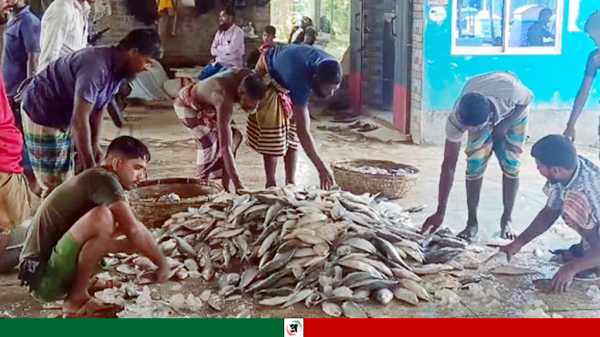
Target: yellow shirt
(164, 5)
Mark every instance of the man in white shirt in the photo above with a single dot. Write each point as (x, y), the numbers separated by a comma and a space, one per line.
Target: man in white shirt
(64, 30)
(492, 109)
(228, 46)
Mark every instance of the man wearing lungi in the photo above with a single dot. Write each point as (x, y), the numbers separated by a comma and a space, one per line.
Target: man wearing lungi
(282, 119)
(63, 105)
(492, 109)
(206, 109)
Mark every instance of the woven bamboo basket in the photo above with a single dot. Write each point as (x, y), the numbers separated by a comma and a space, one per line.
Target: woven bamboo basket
(387, 185)
(153, 213)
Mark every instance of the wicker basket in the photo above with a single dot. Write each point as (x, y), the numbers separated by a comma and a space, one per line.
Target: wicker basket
(153, 213)
(388, 185)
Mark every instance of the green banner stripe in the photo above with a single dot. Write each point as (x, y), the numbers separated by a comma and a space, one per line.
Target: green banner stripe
(142, 327)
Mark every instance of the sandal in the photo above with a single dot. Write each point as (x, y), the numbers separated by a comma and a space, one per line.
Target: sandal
(367, 127)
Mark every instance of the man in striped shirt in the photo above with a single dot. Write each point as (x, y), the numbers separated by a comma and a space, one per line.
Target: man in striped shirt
(573, 191)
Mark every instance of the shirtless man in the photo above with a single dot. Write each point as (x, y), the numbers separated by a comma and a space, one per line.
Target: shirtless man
(206, 109)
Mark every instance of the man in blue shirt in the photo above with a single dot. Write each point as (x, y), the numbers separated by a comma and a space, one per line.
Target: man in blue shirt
(282, 118)
(19, 61)
(63, 105)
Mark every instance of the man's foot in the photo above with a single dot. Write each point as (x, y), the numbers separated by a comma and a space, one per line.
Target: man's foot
(91, 308)
(98, 285)
(469, 233)
(506, 231)
(588, 275)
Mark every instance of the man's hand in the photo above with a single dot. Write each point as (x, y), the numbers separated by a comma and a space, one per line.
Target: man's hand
(98, 154)
(326, 178)
(562, 279)
(570, 133)
(432, 223)
(162, 273)
(511, 249)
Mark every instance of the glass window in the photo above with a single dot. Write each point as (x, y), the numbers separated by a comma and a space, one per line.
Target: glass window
(479, 23)
(533, 23)
(507, 26)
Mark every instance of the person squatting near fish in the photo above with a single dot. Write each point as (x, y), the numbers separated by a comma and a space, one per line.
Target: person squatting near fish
(63, 105)
(206, 108)
(81, 222)
(493, 110)
(592, 28)
(573, 190)
(282, 119)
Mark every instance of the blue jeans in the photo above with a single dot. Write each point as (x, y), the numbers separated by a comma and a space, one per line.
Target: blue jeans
(210, 70)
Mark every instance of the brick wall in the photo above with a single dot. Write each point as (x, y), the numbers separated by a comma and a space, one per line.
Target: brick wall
(416, 112)
(194, 33)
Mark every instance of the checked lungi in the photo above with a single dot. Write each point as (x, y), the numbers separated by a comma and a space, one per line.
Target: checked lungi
(51, 153)
(209, 161)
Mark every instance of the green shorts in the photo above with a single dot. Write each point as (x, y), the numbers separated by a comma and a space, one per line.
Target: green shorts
(60, 270)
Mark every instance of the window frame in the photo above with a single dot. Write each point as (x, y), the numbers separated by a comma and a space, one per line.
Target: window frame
(506, 49)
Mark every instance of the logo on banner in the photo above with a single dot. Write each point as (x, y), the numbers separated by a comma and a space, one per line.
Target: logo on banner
(293, 327)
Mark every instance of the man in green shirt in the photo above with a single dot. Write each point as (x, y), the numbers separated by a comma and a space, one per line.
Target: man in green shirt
(82, 221)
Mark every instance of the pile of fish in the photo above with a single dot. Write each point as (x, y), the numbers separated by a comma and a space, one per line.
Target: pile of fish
(286, 246)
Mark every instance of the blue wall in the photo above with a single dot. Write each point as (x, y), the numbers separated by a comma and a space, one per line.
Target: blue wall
(554, 79)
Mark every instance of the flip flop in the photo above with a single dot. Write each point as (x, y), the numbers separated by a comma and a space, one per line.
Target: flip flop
(367, 127)
(356, 125)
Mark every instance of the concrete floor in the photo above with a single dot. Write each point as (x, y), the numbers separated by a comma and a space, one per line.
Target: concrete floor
(173, 155)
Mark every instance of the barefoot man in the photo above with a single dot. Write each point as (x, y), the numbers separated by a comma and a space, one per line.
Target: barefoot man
(492, 109)
(82, 221)
(206, 109)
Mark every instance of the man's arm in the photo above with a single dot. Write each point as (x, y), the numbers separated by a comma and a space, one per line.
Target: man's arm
(32, 63)
(224, 109)
(302, 118)
(96, 129)
(542, 222)
(310, 36)
(451, 152)
(139, 237)
(502, 128)
(82, 133)
(214, 48)
(582, 94)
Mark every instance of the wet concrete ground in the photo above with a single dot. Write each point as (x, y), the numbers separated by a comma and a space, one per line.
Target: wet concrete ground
(173, 156)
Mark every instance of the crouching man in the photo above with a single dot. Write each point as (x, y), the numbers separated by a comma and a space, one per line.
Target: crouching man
(573, 191)
(82, 221)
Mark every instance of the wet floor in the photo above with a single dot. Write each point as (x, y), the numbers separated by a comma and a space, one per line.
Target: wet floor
(173, 155)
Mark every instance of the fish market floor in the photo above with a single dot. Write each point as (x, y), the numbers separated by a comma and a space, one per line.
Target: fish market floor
(173, 154)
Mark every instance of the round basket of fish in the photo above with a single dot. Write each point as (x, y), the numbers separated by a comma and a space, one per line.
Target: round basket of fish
(154, 201)
(387, 178)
